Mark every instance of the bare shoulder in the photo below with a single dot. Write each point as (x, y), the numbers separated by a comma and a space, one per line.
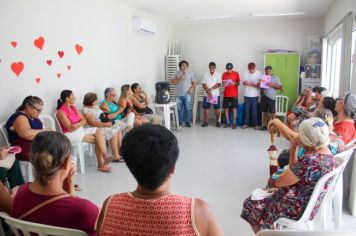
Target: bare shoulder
(204, 219)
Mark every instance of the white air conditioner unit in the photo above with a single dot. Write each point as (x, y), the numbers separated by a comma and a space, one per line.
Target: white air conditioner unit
(143, 25)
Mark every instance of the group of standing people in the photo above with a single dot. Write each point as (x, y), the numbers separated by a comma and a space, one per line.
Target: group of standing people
(185, 82)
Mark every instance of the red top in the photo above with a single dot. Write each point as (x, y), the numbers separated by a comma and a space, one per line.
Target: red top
(346, 129)
(69, 212)
(167, 215)
(231, 90)
(72, 115)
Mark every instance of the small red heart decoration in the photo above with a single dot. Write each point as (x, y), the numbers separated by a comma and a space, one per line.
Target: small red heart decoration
(39, 42)
(14, 44)
(59, 75)
(38, 80)
(69, 67)
(17, 67)
(60, 54)
(79, 49)
(49, 62)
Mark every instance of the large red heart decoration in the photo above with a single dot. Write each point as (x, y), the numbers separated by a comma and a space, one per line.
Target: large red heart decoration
(49, 62)
(14, 44)
(79, 49)
(17, 67)
(60, 54)
(38, 80)
(39, 42)
(59, 75)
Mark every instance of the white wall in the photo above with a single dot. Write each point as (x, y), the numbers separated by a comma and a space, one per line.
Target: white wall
(336, 12)
(113, 54)
(241, 42)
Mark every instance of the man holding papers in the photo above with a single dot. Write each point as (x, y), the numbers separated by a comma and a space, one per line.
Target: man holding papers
(211, 83)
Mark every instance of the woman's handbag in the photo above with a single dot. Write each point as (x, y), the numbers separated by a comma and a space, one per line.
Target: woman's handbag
(104, 118)
(8, 161)
(148, 111)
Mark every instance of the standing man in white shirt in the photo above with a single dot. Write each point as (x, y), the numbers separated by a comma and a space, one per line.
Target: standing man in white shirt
(211, 85)
(251, 81)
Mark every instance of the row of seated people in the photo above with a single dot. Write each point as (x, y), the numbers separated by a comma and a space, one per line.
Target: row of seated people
(313, 144)
(131, 109)
(151, 209)
(153, 170)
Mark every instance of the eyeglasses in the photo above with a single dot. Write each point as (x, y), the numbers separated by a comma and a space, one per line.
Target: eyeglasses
(37, 109)
(113, 95)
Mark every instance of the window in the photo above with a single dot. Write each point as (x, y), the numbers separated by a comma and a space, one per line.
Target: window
(333, 61)
(353, 53)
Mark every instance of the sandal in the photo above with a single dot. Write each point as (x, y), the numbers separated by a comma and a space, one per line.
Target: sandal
(77, 188)
(104, 168)
(120, 160)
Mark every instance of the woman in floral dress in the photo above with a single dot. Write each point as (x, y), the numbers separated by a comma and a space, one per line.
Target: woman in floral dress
(295, 186)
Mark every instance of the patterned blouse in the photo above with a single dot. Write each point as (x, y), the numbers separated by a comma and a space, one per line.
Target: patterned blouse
(167, 215)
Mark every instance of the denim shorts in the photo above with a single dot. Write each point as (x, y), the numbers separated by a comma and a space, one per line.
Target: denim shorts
(206, 105)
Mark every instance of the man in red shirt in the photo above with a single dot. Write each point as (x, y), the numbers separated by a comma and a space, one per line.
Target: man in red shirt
(230, 80)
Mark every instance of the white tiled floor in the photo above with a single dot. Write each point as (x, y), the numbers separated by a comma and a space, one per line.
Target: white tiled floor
(221, 166)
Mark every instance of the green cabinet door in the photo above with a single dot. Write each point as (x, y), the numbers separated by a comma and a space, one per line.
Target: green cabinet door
(286, 68)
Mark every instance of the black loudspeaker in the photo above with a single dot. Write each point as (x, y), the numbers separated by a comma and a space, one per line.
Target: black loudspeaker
(162, 93)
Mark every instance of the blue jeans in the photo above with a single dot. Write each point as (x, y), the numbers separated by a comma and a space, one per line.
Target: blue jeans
(183, 102)
(251, 104)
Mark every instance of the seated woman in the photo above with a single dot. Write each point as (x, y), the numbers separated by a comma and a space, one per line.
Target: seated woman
(24, 125)
(141, 103)
(53, 187)
(336, 145)
(152, 209)
(12, 175)
(115, 112)
(72, 122)
(344, 123)
(125, 101)
(296, 184)
(6, 199)
(112, 132)
(300, 106)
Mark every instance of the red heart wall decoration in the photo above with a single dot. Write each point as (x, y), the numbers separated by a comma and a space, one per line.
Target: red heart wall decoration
(60, 54)
(39, 42)
(69, 67)
(38, 80)
(17, 67)
(59, 75)
(14, 44)
(49, 62)
(79, 49)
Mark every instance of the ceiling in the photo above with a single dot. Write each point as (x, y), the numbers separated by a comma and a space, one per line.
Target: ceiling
(179, 11)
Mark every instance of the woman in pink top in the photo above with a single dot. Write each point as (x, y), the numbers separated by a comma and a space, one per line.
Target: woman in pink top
(152, 209)
(53, 187)
(72, 122)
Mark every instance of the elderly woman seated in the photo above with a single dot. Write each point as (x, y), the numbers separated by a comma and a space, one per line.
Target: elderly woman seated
(115, 112)
(141, 103)
(336, 143)
(6, 198)
(111, 131)
(49, 200)
(22, 127)
(295, 185)
(344, 124)
(152, 209)
(72, 122)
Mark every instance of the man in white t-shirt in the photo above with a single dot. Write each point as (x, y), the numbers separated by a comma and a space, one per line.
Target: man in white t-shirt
(251, 81)
(211, 84)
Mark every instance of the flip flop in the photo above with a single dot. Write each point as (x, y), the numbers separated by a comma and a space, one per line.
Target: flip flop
(77, 188)
(119, 160)
(104, 169)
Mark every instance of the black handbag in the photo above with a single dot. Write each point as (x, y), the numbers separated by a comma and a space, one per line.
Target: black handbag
(104, 118)
(148, 111)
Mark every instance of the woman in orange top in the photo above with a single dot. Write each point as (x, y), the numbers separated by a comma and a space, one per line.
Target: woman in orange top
(152, 209)
(344, 124)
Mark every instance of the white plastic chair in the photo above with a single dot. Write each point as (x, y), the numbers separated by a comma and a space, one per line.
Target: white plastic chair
(320, 219)
(42, 230)
(306, 233)
(337, 196)
(281, 106)
(198, 97)
(78, 145)
(25, 166)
